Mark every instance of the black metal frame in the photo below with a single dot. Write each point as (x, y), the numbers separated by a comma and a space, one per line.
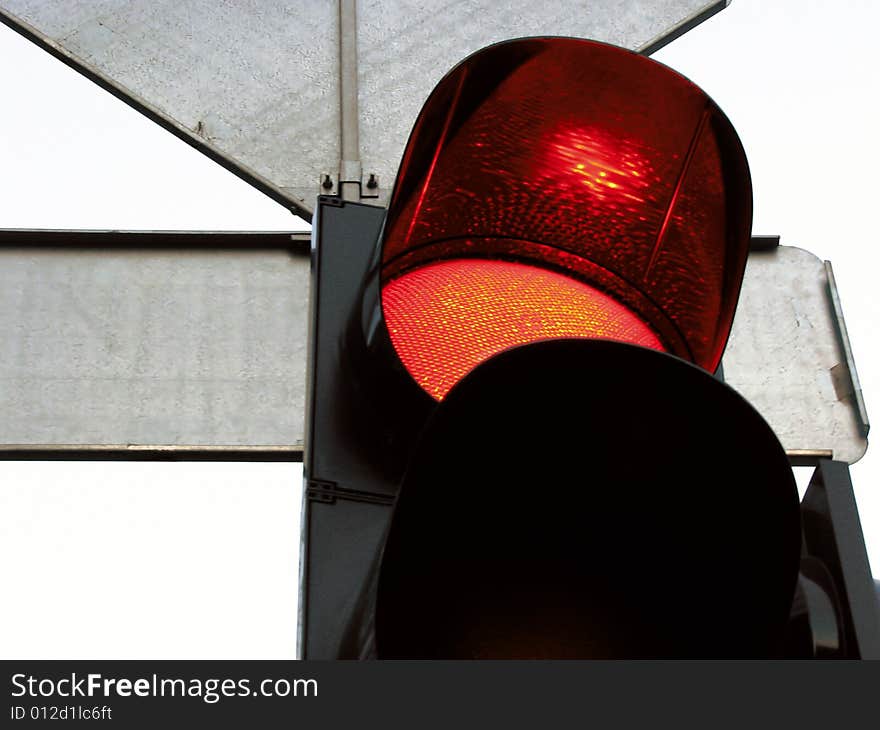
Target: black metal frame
(833, 535)
(348, 498)
(342, 524)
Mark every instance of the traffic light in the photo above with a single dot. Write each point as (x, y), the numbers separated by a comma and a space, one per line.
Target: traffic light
(518, 443)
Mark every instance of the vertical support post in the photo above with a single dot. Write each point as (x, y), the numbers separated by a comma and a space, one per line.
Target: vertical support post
(833, 533)
(349, 141)
(346, 502)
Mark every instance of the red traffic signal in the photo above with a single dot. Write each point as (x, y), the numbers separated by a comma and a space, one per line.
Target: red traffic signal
(514, 447)
(610, 194)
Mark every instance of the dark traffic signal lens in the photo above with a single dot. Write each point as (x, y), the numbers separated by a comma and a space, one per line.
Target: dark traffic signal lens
(590, 499)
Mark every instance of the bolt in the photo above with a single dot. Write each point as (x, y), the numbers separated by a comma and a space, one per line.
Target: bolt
(372, 183)
(328, 183)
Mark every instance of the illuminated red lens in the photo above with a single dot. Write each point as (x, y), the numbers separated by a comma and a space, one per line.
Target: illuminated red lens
(569, 156)
(446, 318)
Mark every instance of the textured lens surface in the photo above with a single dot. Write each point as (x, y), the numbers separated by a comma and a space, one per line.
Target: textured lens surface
(446, 318)
(591, 160)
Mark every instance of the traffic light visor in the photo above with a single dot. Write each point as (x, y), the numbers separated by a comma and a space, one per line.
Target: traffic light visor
(598, 177)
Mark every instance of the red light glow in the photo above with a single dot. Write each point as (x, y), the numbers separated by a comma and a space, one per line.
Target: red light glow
(446, 318)
(612, 168)
(582, 159)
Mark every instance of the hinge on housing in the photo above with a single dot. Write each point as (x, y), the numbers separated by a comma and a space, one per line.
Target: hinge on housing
(329, 492)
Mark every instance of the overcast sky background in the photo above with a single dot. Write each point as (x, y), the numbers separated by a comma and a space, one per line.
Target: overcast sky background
(189, 560)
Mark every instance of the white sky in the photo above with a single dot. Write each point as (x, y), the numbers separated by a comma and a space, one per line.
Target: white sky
(117, 560)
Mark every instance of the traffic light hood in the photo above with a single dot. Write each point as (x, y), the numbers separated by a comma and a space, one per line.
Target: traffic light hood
(610, 193)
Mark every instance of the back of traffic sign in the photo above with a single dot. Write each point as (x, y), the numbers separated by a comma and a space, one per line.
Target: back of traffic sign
(262, 86)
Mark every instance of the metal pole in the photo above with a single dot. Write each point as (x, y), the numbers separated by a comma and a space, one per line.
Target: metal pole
(349, 143)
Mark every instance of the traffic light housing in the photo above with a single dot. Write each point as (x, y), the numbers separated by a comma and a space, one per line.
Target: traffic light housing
(517, 445)
(609, 532)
